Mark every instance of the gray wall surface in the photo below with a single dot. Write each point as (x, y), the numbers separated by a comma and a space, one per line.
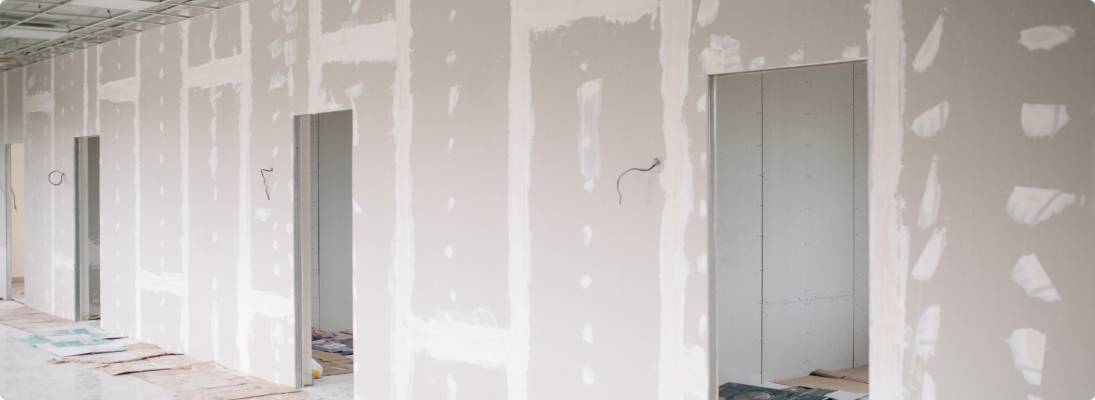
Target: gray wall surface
(335, 214)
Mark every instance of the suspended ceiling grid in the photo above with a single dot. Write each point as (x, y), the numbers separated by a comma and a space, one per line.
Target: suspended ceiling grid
(32, 31)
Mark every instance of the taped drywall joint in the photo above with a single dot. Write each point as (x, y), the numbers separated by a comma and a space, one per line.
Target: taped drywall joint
(656, 163)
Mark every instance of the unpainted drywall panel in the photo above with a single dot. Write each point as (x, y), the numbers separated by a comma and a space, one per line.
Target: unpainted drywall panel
(18, 217)
(861, 284)
(1008, 170)
(808, 191)
(802, 336)
(224, 86)
(738, 215)
(335, 231)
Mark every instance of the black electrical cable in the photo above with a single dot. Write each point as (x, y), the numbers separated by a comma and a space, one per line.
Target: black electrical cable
(13, 205)
(59, 181)
(263, 173)
(656, 163)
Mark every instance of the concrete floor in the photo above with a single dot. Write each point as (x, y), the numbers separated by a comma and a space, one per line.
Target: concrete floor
(18, 293)
(25, 375)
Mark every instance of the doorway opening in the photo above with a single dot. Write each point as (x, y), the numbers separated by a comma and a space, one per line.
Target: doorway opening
(324, 242)
(87, 228)
(15, 277)
(788, 219)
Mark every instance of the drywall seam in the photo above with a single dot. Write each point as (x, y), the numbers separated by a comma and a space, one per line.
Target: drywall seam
(460, 341)
(363, 43)
(889, 239)
(546, 15)
(137, 188)
(589, 115)
(246, 298)
(521, 131)
(315, 72)
(680, 373)
(403, 248)
(229, 70)
(53, 297)
(119, 91)
(184, 187)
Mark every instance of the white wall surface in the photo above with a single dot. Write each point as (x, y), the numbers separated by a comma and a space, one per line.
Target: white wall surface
(195, 260)
(490, 245)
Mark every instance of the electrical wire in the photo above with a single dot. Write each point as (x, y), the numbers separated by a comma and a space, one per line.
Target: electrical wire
(656, 163)
(263, 173)
(59, 181)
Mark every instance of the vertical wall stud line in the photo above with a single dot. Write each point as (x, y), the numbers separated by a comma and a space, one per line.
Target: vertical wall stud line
(712, 240)
(762, 227)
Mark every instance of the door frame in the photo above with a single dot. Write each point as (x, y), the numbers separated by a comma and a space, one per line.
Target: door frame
(712, 202)
(81, 250)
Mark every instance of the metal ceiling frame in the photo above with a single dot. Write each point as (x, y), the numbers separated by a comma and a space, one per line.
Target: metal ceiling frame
(83, 31)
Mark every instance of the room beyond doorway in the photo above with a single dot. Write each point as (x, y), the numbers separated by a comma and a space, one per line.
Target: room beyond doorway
(789, 222)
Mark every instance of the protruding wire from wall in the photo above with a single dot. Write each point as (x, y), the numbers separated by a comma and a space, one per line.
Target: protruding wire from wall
(59, 180)
(13, 204)
(264, 185)
(656, 163)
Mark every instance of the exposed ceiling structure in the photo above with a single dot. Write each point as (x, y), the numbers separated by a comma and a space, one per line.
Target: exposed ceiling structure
(36, 30)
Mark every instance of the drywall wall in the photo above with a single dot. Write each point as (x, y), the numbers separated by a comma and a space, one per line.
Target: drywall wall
(492, 257)
(786, 145)
(988, 193)
(738, 211)
(335, 214)
(18, 221)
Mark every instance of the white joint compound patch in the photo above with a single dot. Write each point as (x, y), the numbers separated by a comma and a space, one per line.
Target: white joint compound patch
(930, 48)
(1043, 120)
(119, 91)
(1032, 206)
(454, 97)
(721, 55)
(927, 332)
(933, 193)
(587, 333)
(757, 63)
(1028, 348)
(589, 115)
(796, 58)
(587, 375)
(927, 387)
(1045, 37)
(1029, 275)
(451, 383)
(929, 258)
(709, 9)
(851, 53)
(932, 121)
